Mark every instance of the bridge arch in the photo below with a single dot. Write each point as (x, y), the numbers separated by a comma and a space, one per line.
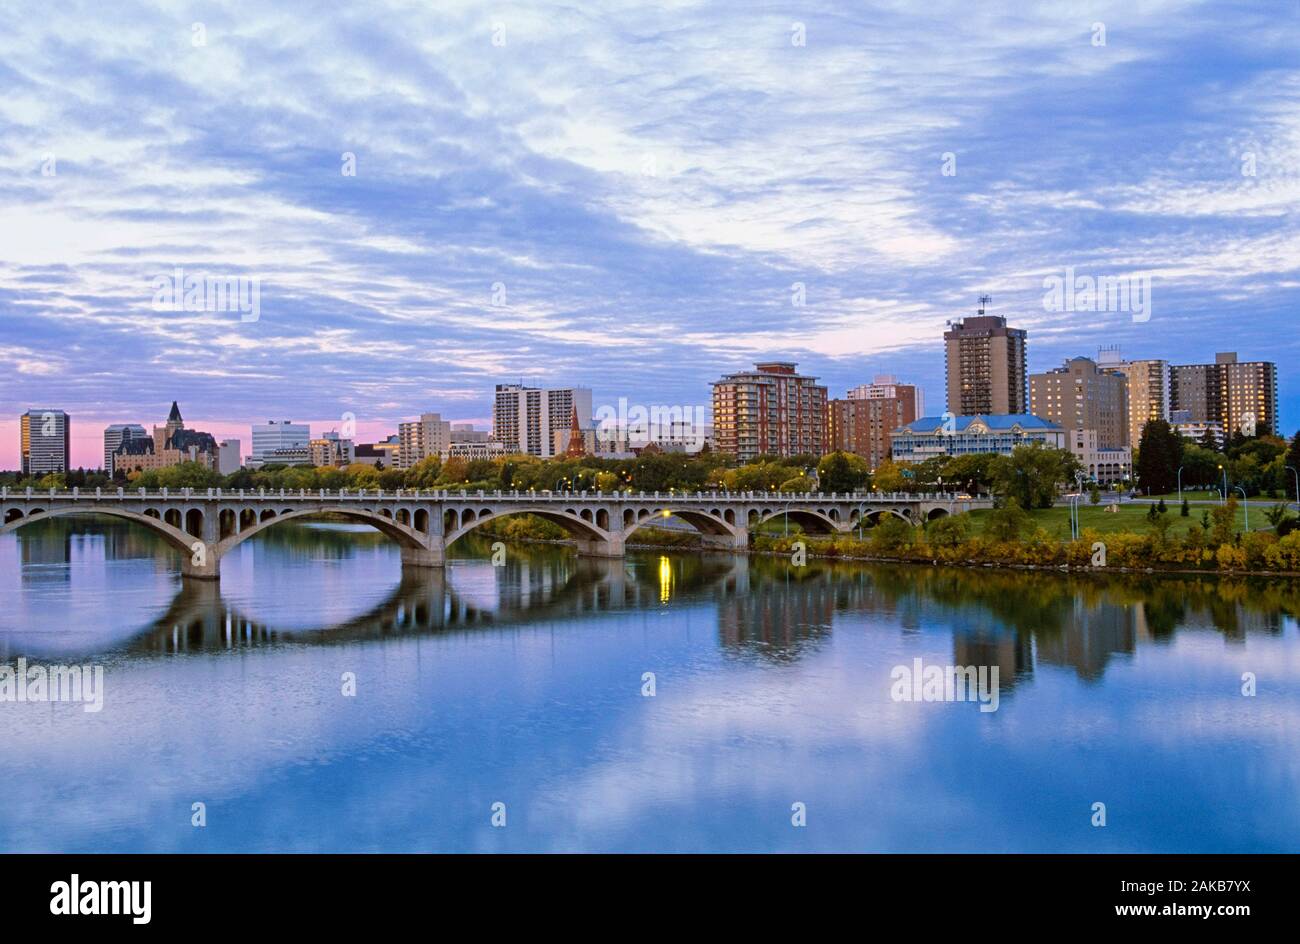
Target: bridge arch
(402, 534)
(809, 519)
(574, 525)
(154, 522)
(873, 516)
(702, 521)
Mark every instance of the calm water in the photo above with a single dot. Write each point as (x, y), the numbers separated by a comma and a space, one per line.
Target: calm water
(523, 685)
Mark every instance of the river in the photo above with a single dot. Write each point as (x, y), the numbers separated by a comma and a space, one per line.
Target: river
(666, 702)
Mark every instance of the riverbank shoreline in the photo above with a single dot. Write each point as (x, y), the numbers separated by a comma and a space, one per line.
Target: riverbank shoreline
(935, 562)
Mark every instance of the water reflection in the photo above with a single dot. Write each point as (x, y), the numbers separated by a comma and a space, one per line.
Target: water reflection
(286, 587)
(524, 683)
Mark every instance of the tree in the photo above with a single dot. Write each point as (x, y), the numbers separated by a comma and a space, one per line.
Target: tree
(889, 476)
(948, 531)
(842, 472)
(1033, 474)
(1006, 523)
(1224, 526)
(892, 533)
(1159, 458)
(972, 471)
(1293, 460)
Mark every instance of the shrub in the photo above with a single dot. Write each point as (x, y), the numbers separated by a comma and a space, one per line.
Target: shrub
(892, 534)
(1006, 523)
(948, 531)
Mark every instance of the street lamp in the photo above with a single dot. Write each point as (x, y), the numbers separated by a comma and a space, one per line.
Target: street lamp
(1225, 484)
(1296, 476)
(1180, 484)
(1245, 502)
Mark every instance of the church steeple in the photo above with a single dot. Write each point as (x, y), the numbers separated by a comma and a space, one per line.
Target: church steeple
(577, 448)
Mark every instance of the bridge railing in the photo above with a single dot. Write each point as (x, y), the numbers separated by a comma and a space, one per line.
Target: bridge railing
(530, 495)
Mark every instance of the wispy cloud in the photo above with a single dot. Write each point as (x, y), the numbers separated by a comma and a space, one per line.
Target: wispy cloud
(620, 195)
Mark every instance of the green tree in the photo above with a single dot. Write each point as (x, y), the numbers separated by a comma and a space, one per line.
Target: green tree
(1159, 458)
(842, 472)
(971, 471)
(892, 533)
(949, 531)
(1007, 523)
(1223, 527)
(1033, 474)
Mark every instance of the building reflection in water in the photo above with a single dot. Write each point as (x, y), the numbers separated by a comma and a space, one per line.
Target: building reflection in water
(1014, 620)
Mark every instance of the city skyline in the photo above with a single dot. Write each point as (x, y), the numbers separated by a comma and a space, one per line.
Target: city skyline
(640, 206)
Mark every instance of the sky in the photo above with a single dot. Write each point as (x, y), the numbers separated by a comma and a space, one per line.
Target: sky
(433, 198)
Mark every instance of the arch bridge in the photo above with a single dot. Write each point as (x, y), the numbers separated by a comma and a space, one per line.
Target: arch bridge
(205, 524)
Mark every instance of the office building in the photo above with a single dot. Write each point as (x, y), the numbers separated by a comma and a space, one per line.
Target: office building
(771, 410)
(525, 419)
(1079, 395)
(281, 443)
(45, 441)
(986, 365)
(382, 454)
(228, 456)
(114, 436)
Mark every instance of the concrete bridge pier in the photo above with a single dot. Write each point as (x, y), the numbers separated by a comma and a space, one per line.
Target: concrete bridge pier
(201, 562)
(611, 546)
(423, 558)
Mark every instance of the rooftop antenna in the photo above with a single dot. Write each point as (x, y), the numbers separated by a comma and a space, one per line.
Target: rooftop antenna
(984, 300)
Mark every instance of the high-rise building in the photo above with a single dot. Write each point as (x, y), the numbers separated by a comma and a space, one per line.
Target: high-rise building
(1241, 396)
(283, 442)
(430, 435)
(525, 419)
(1148, 389)
(886, 386)
(1080, 396)
(228, 456)
(986, 365)
(45, 441)
(862, 422)
(114, 436)
(771, 410)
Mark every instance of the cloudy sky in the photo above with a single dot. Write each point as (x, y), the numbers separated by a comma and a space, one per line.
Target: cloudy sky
(621, 196)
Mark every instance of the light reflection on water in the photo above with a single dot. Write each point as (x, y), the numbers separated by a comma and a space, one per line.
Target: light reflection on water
(523, 684)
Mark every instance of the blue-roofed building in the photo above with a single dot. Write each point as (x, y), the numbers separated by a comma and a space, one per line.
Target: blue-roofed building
(950, 435)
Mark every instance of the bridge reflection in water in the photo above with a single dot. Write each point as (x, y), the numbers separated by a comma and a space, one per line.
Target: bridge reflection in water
(765, 609)
(760, 607)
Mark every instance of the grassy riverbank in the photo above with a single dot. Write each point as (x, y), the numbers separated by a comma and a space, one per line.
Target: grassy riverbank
(1124, 539)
